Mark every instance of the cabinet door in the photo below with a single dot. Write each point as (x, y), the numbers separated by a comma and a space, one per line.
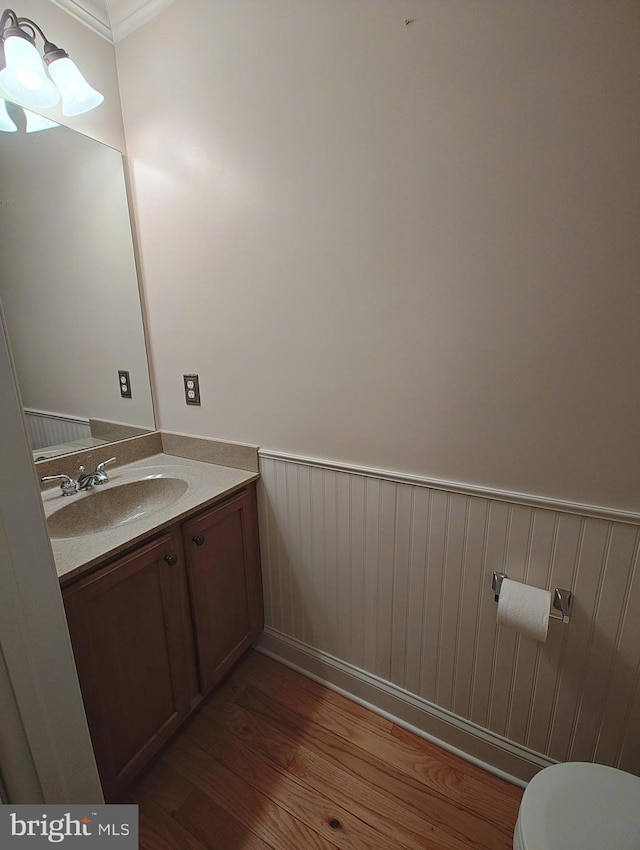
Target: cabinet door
(223, 568)
(129, 629)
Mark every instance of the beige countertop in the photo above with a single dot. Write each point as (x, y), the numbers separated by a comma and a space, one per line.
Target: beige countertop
(206, 483)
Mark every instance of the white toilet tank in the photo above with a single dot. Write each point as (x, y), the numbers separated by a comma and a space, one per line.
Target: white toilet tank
(579, 806)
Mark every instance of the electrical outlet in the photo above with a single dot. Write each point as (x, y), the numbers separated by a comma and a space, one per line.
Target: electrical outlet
(125, 383)
(191, 389)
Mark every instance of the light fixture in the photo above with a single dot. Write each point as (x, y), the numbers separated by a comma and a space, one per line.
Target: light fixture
(14, 118)
(24, 78)
(37, 123)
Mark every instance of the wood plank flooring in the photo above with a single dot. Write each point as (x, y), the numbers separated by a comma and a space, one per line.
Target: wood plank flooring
(275, 761)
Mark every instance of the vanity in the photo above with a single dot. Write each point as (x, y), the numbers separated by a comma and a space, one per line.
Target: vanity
(160, 576)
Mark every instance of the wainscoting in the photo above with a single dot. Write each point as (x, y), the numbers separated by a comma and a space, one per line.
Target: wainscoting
(52, 429)
(380, 585)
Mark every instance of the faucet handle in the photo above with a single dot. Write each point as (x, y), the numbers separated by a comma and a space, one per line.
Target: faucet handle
(101, 475)
(69, 487)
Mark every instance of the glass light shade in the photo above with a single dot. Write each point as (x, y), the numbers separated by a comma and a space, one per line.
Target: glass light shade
(24, 79)
(36, 123)
(77, 95)
(6, 124)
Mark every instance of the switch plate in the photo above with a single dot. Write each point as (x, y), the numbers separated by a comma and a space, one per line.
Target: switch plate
(125, 383)
(191, 389)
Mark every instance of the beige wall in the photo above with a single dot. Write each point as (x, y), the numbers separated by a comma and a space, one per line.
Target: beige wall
(96, 59)
(411, 247)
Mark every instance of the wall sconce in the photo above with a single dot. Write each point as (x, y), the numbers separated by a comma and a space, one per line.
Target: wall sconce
(24, 78)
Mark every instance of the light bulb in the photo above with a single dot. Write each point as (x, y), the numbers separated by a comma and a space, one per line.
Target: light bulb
(24, 78)
(77, 95)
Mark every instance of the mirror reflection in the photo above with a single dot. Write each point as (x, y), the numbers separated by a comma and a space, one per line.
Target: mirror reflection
(69, 289)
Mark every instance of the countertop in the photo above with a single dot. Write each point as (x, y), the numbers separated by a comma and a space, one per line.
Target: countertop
(206, 483)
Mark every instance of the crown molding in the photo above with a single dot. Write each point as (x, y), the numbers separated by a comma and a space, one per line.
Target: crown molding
(115, 30)
(80, 13)
(146, 10)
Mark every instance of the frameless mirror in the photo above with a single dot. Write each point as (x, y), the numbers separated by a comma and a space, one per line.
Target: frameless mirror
(69, 289)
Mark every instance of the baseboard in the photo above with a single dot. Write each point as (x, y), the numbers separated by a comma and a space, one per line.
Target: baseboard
(504, 758)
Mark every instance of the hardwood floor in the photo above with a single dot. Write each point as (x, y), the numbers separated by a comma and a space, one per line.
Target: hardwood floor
(274, 761)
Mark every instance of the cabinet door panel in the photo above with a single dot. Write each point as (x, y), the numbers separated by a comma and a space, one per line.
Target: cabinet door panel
(223, 569)
(127, 626)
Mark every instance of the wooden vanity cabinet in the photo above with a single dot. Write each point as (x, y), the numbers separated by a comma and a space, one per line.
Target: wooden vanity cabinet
(156, 629)
(129, 626)
(223, 570)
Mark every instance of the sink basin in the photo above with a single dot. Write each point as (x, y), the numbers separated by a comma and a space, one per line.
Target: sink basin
(99, 510)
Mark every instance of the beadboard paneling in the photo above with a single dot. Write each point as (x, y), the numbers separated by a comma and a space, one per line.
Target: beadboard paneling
(53, 429)
(394, 578)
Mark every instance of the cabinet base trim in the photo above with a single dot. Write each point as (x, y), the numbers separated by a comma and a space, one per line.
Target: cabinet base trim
(479, 746)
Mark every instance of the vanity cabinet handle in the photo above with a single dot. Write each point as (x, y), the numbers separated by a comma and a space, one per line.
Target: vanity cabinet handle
(172, 560)
(198, 540)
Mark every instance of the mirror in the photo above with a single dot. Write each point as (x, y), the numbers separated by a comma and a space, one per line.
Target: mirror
(69, 289)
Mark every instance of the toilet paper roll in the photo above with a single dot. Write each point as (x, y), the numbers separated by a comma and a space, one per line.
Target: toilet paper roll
(524, 608)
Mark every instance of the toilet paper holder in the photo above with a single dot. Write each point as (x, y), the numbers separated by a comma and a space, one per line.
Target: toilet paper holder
(562, 599)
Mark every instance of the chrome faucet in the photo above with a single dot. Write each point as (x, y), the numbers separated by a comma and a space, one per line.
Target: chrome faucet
(69, 486)
(100, 473)
(86, 480)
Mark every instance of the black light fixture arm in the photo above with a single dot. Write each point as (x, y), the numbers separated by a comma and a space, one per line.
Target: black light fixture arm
(10, 21)
(8, 15)
(11, 24)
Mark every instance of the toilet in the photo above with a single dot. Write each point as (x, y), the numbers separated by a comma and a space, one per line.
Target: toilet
(579, 806)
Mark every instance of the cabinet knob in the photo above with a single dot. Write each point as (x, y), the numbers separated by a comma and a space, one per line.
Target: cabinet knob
(198, 540)
(172, 560)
